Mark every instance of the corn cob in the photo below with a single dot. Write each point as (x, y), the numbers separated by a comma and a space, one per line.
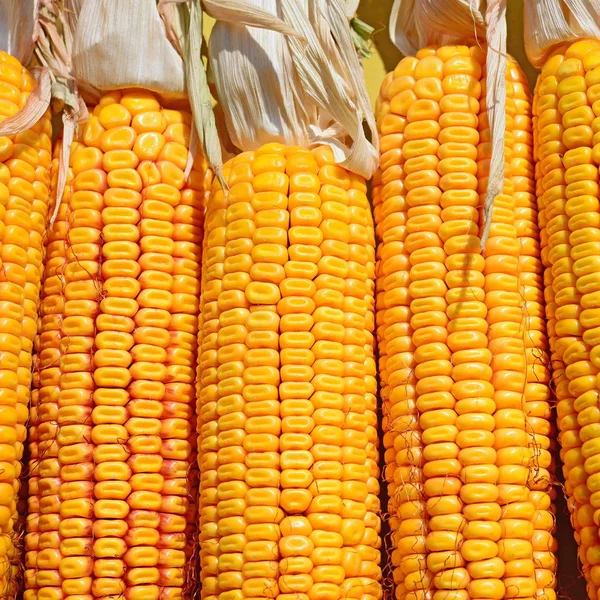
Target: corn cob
(287, 391)
(461, 338)
(112, 440)
(565, 107)
(24, 193)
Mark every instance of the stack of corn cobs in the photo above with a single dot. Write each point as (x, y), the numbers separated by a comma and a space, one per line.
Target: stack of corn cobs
(265, 379)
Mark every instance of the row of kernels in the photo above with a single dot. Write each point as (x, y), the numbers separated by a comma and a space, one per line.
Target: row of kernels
(112, 339)
(537, 389)
(402, 433)
(562, 308)
(74, 499)
(509, 379)
(214, 256)
(451, 532)
(226, 434)
(427, 290)
(576, 77)
(509, 361)
(362, 248)
(179, 399)
(159, 457)
(16, 204)
(300, 451)
(580, 517)
(31, 151)
(246, 327)
(111, 359)
(357, 483)
(164, 484)
(45, 383)
(341, 327)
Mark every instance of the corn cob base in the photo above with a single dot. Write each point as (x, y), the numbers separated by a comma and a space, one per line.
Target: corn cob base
(24, 194)
(287, 390)
(111, 509)
(566, 110)
(461, 338)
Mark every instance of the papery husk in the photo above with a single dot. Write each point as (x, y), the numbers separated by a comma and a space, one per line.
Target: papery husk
(183, 25)
(550, 23)
(18, 28)
(120, 44)
(305, 89)
(54, 50)
(350, 7)
(415, 24)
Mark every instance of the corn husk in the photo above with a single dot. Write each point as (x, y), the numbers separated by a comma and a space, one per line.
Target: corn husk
(415, 24)
(122, 44)
(18, 28)
(549, 23)
(302, 89)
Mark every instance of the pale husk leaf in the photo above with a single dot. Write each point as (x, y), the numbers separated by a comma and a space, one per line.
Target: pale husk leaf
(415, 24)
(350, 7)
(18, 28)
(549, 23)
(54, 50)
(35, 107)
(183, 24)
(123, 44)
(243, 13)
(495, 99)
(304, 89)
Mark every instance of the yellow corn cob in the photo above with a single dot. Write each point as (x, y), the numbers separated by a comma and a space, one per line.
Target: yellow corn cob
(461, 339)
(566, 108)
(24, 182)
(112, 435)
(287, 391)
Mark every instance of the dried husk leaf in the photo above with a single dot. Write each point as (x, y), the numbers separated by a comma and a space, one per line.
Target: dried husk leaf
(18, 28)
(495, 98)
(304, 89)
(239, 11)
(415, 24)
(122, 44)
(549, 23)
(350, 7)
(54, 50)
(183, 24)
(36, 105)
